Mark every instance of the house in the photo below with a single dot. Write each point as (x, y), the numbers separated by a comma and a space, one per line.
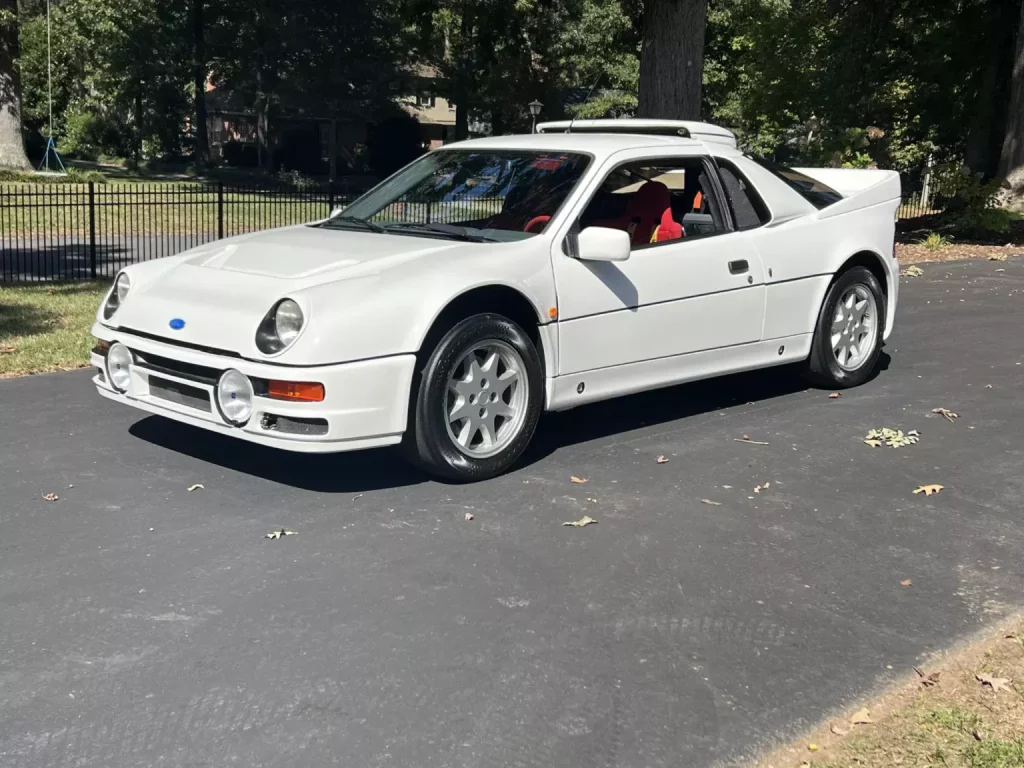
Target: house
(435, 113)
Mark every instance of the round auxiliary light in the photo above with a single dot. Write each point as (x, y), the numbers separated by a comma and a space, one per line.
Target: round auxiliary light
(119, 366)
(234, 397)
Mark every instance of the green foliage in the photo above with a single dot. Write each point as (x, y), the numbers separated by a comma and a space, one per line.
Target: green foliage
(995, 753)
(971, 204)
(934, 241)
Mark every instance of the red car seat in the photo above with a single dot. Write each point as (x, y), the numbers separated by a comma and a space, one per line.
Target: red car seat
(647, 209)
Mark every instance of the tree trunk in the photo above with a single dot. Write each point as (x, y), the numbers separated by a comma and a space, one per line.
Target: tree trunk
(1011, 160)
(672, 59)
(12, 142)
(985, 137)
(201, 129)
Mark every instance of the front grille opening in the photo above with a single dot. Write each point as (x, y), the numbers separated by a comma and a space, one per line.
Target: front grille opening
(293, 425)
(199, 373)
(182, 394)
(100, 374)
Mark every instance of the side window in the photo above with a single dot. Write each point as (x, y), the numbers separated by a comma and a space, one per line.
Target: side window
(656, 201)
(748, 209)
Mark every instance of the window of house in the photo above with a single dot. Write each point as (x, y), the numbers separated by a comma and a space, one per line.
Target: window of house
(658, 201)
(426, 100)
(748, 209)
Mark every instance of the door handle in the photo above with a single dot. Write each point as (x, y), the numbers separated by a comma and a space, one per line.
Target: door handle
(738, 267)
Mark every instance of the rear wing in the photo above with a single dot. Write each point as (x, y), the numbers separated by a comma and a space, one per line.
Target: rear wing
(689, 129)
(860, 188)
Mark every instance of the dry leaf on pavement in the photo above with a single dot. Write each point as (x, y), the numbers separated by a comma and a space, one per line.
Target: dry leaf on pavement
(51, 497)
(928, 680)
(946, 413)
(995, 683)
(469, 515)
(712, 503)
(894, 438)
(928, 490)
(997, 257)
(906, 583)
(577, 480)
(835, 396)
(196, 487)
(837, 729)
(662, 460)
(911, 271)
(861, 717)
(279, 534)
(585, 520)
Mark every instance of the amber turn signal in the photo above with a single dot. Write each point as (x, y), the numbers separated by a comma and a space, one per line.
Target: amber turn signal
(302, 391)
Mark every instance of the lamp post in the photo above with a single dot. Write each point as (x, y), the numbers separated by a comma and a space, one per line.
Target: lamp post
(535, 108)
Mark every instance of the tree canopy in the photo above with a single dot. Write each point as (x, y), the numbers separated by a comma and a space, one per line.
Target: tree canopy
(852, 82)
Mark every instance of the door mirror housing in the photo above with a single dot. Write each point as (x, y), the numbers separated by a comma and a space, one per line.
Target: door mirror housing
(603, 244)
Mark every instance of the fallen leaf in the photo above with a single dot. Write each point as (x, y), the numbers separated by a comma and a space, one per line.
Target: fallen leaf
(746, 439)
(861, 717)
(585, 520)
(946, 413)
(906, 583)
(578, 480)
(838, 730)
(196, 487)
(812, 747)
(712, 503)
(995, 683)
(894, 438)
(977, 735)
(1000, 270)
(662, 460)
(469, 516)
(51, 497)
(912, 271)
(997, 257)
(7, 350)
(279, 534)
(988, 386)
(928, 490)
(928, 680)
(835, 396)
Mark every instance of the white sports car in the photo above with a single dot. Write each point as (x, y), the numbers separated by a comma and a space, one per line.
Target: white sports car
(497, 278)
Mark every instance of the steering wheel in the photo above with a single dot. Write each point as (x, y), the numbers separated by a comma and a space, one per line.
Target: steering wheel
(536, 221)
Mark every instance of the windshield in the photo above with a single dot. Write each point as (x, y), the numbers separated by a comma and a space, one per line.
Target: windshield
(469, 194)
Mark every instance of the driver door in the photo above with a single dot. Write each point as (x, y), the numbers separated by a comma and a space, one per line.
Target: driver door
(702, 291)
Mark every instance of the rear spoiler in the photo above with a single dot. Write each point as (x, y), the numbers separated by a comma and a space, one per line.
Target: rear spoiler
(860, 187)
(689, 129)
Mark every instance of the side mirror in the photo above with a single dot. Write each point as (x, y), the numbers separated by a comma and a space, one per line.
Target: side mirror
(603, 244)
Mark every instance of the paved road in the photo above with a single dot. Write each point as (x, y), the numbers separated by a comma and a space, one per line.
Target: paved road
(143, 625)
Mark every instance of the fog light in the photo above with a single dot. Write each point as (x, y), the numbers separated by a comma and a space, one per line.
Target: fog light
(234, 397)
(119, 367)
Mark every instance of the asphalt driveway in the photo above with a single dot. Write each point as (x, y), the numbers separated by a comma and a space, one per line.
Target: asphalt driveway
(144, 625)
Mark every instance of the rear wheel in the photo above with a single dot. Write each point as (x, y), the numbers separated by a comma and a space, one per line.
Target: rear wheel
(477, 402)
(848, 338)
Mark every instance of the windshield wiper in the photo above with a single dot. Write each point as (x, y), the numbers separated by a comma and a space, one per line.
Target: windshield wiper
(453, 231)
(371, 226)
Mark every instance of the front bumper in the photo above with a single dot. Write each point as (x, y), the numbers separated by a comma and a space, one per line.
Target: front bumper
(365, 403)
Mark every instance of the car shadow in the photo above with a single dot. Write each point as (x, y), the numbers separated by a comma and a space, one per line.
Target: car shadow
(363, 471)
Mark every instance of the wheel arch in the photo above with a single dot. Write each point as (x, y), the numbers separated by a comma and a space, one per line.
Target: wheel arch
(875, 264)
(494, 298)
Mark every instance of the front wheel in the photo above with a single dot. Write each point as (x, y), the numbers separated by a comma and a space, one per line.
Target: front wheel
(848, 337)
(478, 400)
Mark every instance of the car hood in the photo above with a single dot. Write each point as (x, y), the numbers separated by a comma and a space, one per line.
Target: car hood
(217, 294)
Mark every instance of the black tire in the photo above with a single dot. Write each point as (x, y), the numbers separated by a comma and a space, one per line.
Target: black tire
(428, 442)
(822, 367)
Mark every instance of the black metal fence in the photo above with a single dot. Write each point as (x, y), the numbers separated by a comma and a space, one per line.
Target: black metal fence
(89, 231)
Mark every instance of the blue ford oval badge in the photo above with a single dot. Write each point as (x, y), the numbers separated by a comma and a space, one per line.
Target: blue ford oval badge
(177, 324)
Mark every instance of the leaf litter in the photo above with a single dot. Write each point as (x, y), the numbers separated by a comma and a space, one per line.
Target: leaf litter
(928, 490)
(929, 679)
(997, 684)
(662, 460)
(51, 497)
(945, 413)
(911, 271)
(894, 438)
(583, 521)
(196, 487)
(578, 480)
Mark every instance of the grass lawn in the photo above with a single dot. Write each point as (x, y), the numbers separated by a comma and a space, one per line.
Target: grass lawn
(955, 719)
(46, 327)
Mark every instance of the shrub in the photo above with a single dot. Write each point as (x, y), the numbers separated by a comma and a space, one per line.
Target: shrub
(935, 241)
